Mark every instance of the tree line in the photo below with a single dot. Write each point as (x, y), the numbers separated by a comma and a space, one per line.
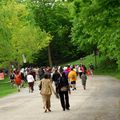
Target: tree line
(50, 32)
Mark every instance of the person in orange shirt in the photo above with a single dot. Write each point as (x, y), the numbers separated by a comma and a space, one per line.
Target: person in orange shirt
(72, 76)
(18, 80)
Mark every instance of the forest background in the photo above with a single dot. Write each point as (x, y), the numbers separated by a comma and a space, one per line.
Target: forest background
(49, 32)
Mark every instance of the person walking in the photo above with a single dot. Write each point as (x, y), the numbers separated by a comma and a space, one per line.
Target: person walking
(46, 90)
(55, 79)
(72, 78)
(18, 80)
(80, 71)
(30, 80)
(64, 91)
(12, 77)
(84, 79)
(91, 68)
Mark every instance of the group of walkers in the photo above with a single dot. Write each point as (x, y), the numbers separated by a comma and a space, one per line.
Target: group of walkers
(18, 77)
(64, 79)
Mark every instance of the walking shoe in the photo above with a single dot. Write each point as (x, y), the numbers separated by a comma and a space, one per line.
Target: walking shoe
(68, 108)
(49, 110)
(45, 110)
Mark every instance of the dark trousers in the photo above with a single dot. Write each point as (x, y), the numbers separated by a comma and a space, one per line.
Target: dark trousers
(64, 99)
(80, 73)
(31, 84)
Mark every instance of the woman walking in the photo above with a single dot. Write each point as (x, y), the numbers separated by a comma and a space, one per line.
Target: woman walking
(46, 90)
(30, 80)
(63, 92)
(18, 80)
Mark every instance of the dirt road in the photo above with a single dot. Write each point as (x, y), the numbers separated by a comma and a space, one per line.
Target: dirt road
(101, 101)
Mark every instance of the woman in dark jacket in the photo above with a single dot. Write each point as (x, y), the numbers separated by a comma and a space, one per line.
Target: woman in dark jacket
(63, 91)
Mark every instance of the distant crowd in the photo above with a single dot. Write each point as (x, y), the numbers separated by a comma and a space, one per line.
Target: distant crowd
(19, 76)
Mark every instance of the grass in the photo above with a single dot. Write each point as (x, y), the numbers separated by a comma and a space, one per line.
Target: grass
(5, 87)
(86, 61)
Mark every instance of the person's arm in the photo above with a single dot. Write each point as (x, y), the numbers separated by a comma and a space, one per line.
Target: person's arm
(40, 85)
(51, 87)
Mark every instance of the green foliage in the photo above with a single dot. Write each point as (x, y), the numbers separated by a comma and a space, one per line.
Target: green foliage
(18, 32)
(105, 65)
(96, 26)
(55, 20)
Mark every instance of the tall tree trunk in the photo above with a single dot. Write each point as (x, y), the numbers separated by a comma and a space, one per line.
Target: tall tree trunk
(95, 54)
(49, 56)
(95, 61)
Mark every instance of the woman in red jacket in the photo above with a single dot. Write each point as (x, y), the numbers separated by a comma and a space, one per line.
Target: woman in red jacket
(18, 80)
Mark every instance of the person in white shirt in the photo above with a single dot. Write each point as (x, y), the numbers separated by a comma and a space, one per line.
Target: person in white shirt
(30, 80)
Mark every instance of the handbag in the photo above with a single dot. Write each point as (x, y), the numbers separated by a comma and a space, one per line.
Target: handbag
(64, 88)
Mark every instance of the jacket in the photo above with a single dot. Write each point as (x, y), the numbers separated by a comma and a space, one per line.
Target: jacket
(46, 87)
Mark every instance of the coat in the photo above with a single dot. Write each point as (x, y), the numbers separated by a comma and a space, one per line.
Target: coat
(46, 87)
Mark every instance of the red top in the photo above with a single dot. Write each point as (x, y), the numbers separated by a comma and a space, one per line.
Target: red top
(18, 79)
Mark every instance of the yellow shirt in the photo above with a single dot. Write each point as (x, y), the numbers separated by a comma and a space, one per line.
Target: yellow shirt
(72, 76)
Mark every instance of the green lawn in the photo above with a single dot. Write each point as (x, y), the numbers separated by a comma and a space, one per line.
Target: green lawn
(5, 87)
(86, 61)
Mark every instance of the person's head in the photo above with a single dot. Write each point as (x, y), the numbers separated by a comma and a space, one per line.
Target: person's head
(56, 71)
(17, 72)
(46, 76)
(71, 68)
(30, 72)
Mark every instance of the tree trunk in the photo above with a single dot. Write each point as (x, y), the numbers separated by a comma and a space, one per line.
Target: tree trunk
(95, 54)
(49, 56)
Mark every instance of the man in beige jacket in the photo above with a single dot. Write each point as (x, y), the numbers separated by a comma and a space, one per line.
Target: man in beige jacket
(46, 90)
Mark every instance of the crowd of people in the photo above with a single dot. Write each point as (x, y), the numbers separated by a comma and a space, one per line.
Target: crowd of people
(63, 78)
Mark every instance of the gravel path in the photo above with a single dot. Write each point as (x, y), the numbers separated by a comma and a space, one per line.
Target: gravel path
(100, 101)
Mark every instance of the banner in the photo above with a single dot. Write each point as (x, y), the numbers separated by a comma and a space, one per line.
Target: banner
(1, 76)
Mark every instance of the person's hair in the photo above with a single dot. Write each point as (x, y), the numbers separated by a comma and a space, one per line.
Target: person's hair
(71, 68)
(17, 72)
(46, 76)
(56, 71)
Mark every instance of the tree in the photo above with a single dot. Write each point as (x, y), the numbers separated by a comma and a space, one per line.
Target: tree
(96, 24)
(54, 19)
(19, 33)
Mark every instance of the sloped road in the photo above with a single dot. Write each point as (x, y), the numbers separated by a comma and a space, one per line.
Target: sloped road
(101, 101)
